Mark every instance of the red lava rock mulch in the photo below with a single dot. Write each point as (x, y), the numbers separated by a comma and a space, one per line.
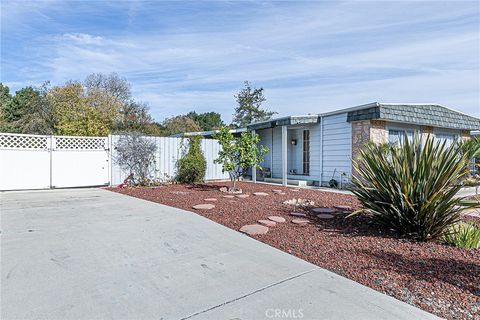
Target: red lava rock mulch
(437, 278)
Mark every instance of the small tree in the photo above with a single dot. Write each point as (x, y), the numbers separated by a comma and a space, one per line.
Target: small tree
(239, 153)
(192, 166)
(136, 154)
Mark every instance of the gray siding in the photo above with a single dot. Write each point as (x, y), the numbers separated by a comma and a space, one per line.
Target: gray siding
(337, 147)
(266, 140)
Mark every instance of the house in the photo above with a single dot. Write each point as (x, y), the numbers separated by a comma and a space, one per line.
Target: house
(316, 148)
(313, 149)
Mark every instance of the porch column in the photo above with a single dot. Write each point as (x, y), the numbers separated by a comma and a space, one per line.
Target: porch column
(254, 168)
(284, 155)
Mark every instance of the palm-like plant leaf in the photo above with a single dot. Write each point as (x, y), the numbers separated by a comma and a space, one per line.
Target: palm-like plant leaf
(410, 188)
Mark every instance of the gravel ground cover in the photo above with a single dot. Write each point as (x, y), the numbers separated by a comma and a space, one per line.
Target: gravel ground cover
(440, 279)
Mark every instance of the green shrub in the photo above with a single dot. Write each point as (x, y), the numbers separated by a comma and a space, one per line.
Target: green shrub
(192, 166)
(463, 235)
(410, 187)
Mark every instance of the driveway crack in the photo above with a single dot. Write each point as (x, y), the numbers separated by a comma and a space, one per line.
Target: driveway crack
(250, 293)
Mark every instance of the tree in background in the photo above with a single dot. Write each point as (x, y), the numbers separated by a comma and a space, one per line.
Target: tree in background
(81, 113)
(192, 166)
(5, 99)
(207, 121)
(180, 124)
(39, 117)
(27, 111)
(102, 104)
(112, 83)
(249, 109)
(238, 154)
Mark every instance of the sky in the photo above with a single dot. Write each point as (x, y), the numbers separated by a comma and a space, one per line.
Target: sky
(310, 57)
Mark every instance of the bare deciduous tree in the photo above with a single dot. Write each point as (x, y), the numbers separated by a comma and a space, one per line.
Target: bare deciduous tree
(136, 154)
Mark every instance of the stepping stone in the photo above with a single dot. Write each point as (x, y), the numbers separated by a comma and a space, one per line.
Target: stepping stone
(210, 199)
(226, 190)
(324, 210)
(229, 196)
(242, 196)
(263, 194)
(300, 221)
(277, 191)
(298, 214)
(268, 223)
(254, 229)
(277, 219)
(296, 190)
(181, 193)
(324, 216)
(344, 208)
(204, 206)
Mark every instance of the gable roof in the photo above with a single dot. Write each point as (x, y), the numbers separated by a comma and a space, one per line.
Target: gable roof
(422, 114)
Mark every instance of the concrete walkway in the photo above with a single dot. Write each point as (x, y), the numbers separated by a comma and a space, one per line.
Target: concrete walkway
(94, 254)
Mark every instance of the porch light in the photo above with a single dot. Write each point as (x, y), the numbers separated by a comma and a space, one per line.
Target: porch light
(294, 142)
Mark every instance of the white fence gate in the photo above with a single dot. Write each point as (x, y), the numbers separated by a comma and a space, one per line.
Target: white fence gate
(79, 161)
(43, 162)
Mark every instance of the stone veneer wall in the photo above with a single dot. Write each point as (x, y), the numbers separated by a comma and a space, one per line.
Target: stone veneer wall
(364, 131)
(367, 130)
(465, 135)
(425, 131)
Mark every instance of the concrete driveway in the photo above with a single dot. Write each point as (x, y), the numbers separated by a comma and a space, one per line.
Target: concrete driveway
(94, 254)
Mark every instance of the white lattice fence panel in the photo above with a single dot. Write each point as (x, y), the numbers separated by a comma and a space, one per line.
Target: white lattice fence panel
(24, 161)
(23, 142)
(81, 143)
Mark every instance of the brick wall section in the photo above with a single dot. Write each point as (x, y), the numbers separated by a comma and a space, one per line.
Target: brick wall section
(465, 135)
(360, 135)
(425, 131)
(378, 133)
(364, 131)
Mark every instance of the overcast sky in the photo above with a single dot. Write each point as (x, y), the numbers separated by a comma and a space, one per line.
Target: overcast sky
(310, 57)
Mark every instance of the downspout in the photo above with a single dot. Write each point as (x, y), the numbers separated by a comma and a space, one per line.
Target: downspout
(271, 156)
(254, 168)
(321, 150)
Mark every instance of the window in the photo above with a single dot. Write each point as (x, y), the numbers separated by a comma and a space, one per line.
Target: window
(449, 138)
(398, 135)
(306, 152)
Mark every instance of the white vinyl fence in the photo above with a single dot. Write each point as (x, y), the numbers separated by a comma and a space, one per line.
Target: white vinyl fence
(43, 162)
(169, 150)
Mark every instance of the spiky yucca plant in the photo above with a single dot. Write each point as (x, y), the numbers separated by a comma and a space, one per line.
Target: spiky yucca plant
(410, 187)
(463, 235)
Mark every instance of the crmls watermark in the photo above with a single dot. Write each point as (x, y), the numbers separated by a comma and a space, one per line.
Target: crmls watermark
(273, 313)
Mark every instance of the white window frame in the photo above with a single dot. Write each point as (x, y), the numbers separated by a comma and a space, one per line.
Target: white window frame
(446, 132)
(412, 129)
